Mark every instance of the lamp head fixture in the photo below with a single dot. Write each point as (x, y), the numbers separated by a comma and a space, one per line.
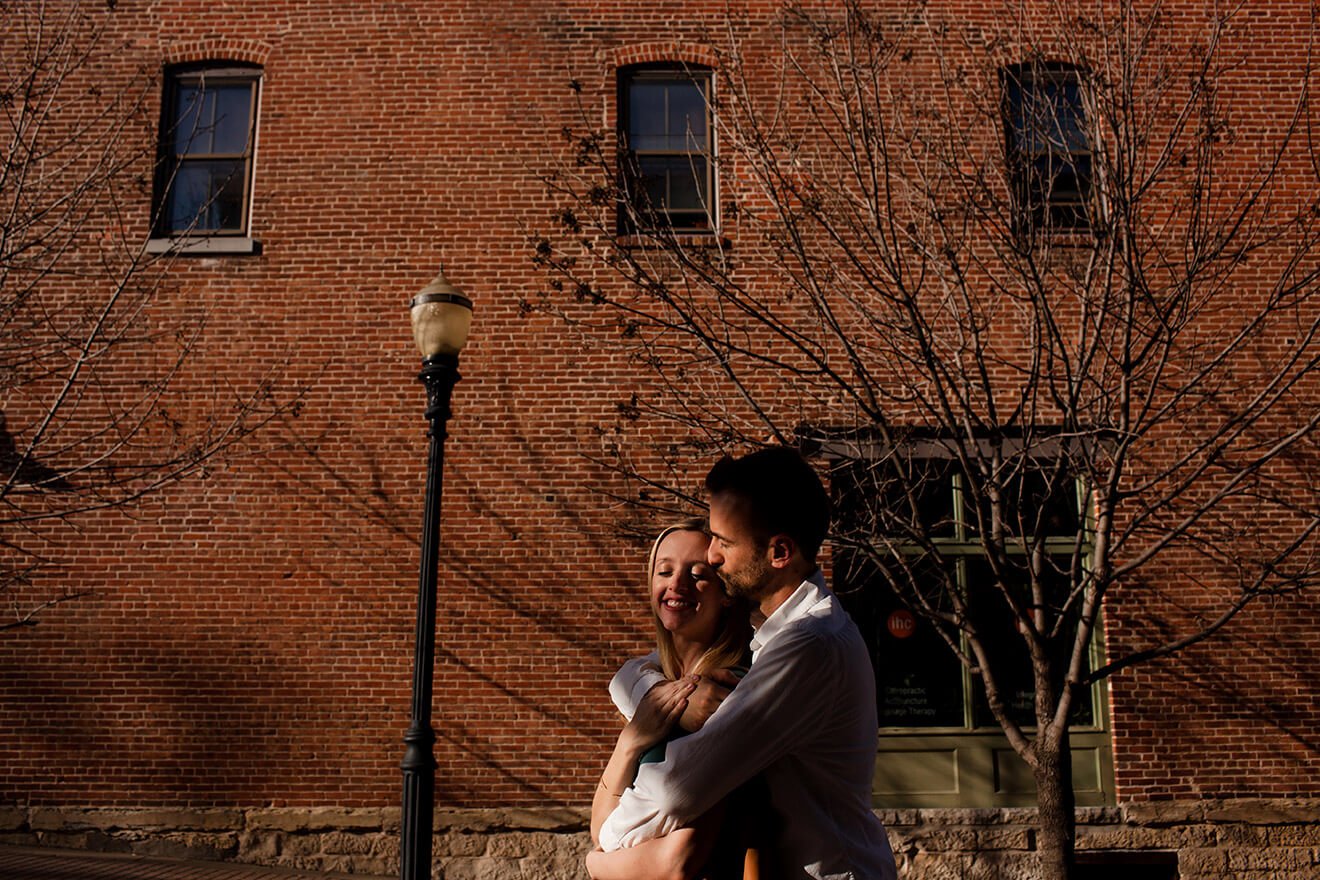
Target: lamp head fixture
(441, 317)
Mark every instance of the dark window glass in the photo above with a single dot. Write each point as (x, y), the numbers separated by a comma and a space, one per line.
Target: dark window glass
(206, 196)
(1035, 500)
(917, 677)
(998, 629)
(1049, 150)
(896, 496)
(666, 170)
(207, 133)
(927, 546)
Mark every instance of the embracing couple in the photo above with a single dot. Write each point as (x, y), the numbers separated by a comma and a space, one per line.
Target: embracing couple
(744, 758)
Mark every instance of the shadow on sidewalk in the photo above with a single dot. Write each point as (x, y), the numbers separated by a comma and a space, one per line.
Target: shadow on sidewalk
(36, 863)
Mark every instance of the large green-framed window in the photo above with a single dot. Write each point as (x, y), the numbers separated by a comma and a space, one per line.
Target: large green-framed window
(939, 744)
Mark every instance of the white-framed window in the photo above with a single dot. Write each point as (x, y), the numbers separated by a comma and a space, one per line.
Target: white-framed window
(667, 149)
(207, 148)
(1049, 149)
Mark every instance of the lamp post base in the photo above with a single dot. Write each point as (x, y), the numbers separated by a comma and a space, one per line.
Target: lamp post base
(417, 818)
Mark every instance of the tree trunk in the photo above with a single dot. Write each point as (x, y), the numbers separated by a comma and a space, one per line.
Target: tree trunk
(1057, 818)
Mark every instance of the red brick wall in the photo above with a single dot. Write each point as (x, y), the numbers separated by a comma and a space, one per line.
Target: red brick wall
(248, 639)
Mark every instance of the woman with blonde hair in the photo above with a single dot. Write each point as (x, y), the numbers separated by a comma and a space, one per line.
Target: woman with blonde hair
(700, 631)
(684, 651)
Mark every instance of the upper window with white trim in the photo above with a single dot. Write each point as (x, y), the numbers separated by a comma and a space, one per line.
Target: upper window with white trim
(1049, 147)
(667, 153)
(207, 146)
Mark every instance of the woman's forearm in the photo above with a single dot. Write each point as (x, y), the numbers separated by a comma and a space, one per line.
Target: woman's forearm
(618, 775)
(676, 856)
(653, 720)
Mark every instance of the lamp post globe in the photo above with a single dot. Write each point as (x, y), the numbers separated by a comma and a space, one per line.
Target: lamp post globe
(441, 317)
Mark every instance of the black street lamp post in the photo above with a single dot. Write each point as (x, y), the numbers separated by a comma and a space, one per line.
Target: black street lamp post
(441, 316)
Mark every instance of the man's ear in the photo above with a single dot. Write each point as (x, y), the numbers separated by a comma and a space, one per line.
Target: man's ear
(781, 551)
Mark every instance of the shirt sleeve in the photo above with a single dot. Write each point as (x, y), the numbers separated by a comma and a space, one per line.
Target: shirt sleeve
(773, 709)
(633, 680)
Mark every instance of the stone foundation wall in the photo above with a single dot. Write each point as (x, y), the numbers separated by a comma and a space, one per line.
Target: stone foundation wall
(540, 844)
(1212, 840)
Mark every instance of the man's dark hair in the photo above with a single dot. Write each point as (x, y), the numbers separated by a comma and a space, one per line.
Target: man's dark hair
(778, 492)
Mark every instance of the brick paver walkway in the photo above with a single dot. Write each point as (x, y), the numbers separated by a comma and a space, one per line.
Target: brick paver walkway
(31, 863)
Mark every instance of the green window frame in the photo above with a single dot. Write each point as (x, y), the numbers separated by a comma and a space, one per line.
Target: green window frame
(938, 745)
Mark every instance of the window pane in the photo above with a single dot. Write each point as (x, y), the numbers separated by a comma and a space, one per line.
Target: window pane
(190, 133)
(653, 183)
(1053, 498)
(1061, 101)
(687, 184)
(927, 493)
(666, 115)
(1064, 187)
(212, 119)
(896, 497)
(647, 119)
(673, 183)
(207, 196)
(1061, 177)
(998, 630)
(687, 117)
(233, 110)
(1046, 114)
(1030, 493)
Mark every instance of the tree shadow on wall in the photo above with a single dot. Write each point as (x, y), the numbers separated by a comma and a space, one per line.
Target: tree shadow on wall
(528, 635)
(1281, 689)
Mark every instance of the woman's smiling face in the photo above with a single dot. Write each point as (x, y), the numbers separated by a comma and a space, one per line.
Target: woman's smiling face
(686, 593)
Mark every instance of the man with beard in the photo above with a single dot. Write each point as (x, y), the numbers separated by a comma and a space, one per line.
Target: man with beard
(804, 716)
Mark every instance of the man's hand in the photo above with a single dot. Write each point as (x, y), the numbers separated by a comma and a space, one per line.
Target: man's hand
(658, 711)
(703, 701)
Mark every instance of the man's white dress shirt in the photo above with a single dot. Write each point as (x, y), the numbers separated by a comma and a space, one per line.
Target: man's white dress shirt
(805, 718)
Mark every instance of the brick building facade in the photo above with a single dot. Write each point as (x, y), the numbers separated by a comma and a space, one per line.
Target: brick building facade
(235, 680)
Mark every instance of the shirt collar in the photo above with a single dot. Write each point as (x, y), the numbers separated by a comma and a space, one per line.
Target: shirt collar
(803, 599)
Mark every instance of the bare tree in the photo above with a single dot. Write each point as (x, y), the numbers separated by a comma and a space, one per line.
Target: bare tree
(1040, 289)
(95, 411)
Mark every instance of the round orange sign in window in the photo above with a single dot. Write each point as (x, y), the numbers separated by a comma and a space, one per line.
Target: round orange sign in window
(901, 624)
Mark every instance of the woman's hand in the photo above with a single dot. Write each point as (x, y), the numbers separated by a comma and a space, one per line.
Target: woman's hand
(658, 712)
(711, 690)
(599, 864)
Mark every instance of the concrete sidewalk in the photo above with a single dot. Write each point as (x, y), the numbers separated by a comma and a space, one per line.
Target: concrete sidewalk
(36, 863)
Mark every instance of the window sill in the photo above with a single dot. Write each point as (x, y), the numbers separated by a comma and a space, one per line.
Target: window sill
(643, 240)
(1080, 237)
(205, 246)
